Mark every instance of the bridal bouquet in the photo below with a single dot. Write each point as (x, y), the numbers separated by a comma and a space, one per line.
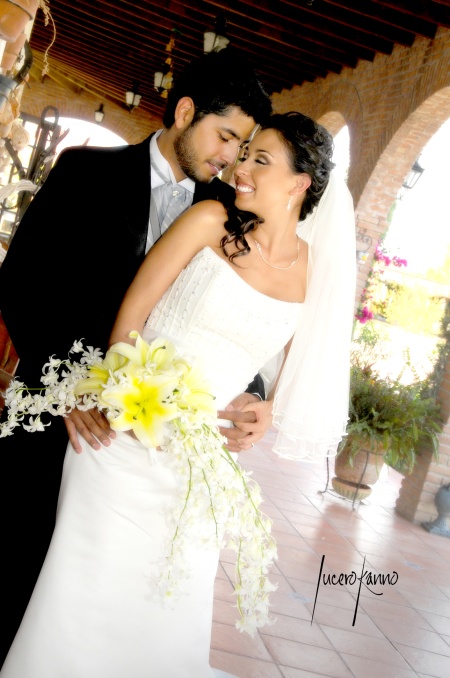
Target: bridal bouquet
(153, 391)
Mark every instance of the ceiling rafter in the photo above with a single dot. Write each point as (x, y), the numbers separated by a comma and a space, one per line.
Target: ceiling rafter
(103, 46)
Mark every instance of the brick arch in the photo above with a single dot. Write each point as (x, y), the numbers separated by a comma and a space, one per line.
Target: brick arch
(392, 167)
(416, 498)
(133, 127)
(333, 121)
(335, 103)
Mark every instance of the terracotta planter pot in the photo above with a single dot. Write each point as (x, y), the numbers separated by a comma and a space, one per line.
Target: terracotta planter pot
(12, 51)
(14, 16)
(353, 480)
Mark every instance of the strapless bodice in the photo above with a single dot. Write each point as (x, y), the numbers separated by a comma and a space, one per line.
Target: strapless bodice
(211, 312)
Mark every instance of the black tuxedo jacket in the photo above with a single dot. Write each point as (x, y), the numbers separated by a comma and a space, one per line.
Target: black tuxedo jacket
(76, 251)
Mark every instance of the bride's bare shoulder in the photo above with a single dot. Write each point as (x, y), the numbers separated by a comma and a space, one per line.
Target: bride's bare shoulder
(204, 220)
(212, 210)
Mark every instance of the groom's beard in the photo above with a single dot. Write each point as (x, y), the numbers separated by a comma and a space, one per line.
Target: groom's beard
(189, 159)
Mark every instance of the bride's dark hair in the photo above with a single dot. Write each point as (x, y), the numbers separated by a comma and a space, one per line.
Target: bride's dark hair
(310, 149)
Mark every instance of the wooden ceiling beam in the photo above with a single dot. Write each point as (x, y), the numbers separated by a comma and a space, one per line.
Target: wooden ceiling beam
(419, 17)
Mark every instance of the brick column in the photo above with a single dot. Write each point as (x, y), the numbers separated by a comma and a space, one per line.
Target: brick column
(416, 498)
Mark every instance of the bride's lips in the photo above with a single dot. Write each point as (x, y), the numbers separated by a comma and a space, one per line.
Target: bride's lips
(241, 188)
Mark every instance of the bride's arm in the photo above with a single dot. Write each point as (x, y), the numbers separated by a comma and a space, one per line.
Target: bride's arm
(201, 226)
(253, 417)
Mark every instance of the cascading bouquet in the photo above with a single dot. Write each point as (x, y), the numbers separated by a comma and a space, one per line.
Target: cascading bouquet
(153, 391)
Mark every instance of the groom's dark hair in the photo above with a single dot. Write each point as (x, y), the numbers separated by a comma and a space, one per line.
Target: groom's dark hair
(216, 82)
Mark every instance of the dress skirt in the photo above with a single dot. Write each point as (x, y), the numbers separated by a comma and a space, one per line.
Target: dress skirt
(95, 611)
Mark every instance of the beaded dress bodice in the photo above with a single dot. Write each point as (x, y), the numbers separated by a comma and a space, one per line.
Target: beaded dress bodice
(211, 312)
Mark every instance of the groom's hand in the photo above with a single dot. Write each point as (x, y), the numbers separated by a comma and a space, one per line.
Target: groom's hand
(90, 425)
(251, 419)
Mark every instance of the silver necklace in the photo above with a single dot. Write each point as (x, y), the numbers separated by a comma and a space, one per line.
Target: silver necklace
(279, 268)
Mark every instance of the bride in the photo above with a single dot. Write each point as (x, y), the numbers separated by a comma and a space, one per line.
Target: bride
(235, 289)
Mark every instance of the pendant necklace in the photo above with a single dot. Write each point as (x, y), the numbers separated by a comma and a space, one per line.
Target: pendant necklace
(279, 268)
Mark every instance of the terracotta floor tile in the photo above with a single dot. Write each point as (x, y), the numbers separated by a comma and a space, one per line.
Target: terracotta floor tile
(224, 637)
(438, 623)
(305, 657)
(243, 666)
(223, 590)
(323, 531)
(370, 647)
(224, 612)
(398, 613)
(291, 540)
(289, 672)
(292, 604)
(284, 526)
(298, 630)
(427, 603)
(305, 508)
(426, 662)
(418, 583)
(273, 512)
(297, 555)
(413, 637)
(342, 549)
(336, 596)
(343, 619)
(408, 626)
(299, 565)
(361, 667)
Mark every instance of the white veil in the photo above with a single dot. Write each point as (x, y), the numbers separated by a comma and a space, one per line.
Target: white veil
(311, 402)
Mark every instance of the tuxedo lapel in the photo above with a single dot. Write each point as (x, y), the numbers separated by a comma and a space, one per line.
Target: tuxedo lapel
(214, 190)
(137, 186)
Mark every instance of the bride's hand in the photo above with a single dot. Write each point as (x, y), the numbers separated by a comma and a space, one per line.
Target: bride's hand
(91, 425)
(251, 419)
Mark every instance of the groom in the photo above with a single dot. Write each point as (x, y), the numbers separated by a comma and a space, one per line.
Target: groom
(74, 255)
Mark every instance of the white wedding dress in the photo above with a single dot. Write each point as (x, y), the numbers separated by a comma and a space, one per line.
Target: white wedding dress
(94, 612)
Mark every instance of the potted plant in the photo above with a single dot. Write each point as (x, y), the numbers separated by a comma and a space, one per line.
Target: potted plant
(389, 420)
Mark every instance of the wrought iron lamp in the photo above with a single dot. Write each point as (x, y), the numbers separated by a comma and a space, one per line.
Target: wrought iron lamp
(99, 114)
(214, 41)
(132, 97)
(363, 244)
(411, 178)
(163, 79)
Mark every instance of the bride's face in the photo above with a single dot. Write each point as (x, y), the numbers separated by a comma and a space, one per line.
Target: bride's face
(264, 178)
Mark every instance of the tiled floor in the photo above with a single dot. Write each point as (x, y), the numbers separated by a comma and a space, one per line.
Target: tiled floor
(400, 631)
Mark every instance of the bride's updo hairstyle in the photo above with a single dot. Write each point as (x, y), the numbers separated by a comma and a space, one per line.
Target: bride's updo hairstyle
(309, 151)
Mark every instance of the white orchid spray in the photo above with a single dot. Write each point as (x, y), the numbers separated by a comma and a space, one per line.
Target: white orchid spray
(153, 391)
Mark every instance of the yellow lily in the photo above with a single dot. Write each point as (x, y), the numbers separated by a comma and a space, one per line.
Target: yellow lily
(160, 353)
(145, 404)
(99, 373)
(195, 393)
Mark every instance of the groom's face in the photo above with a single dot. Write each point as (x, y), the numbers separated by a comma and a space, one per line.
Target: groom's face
(207, 147)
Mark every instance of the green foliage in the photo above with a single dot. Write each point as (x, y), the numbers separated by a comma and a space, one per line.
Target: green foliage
(384, 412)
(427, 313)
(442, 351)
(441, 274)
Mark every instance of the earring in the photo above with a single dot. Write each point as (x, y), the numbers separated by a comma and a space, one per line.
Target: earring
(288, 206)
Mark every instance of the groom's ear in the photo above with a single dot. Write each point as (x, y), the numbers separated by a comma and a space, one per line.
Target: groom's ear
(184, 113)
